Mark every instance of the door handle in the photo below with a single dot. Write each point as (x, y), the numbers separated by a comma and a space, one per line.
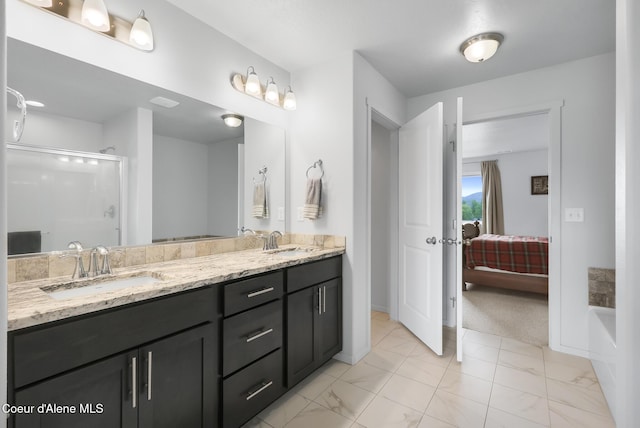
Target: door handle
(324, 299)
(431, 241)
(319, 300)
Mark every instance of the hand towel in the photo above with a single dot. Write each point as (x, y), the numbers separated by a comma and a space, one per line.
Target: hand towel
(313, 201)
(260, 209)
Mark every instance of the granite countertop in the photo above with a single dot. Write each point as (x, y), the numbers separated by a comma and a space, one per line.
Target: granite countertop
(29, 305)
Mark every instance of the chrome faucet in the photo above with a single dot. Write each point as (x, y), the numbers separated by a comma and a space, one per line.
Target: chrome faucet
(271, 241)
(78, 271)
(96, 252)
(244, 230)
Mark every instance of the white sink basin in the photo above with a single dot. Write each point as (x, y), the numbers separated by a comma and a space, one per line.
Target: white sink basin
(292, 252)
(99, 285)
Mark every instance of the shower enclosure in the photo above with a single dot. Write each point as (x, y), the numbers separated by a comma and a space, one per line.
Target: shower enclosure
(55, 196)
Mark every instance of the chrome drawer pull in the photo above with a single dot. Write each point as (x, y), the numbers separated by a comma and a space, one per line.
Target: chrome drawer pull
(134, 386)
(259, 335)
(264, 386)
(259, 292)
(149, 368)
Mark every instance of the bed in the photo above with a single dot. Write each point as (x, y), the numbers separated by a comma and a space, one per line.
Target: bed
(502, 261)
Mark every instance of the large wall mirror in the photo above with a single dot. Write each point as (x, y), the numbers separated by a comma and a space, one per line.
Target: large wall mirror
(203, 171)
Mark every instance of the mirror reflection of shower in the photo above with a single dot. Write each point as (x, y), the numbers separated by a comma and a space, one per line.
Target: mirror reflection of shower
(18, 125)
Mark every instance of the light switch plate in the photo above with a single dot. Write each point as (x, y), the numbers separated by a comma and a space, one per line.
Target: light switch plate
(574, 215)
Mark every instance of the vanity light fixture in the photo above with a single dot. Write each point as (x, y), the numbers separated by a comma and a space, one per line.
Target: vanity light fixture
(95, 15)
(481, 47)
(232, 120)
(250, 85)
(289, 102)
(141, 35)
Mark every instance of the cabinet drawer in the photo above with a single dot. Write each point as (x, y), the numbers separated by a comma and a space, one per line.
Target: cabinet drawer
(250, 335)
(54, 348)
(302, 276)
(242, 295)
(249, 391)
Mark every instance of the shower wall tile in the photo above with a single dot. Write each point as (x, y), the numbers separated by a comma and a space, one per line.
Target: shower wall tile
(602, 287)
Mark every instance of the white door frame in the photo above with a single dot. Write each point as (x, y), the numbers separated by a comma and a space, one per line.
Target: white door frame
(554, 110)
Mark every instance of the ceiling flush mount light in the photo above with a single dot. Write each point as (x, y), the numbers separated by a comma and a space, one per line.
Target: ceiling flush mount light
(95, 15)
(250, 85)
(481, 47)
(232, 120)
(141, 35)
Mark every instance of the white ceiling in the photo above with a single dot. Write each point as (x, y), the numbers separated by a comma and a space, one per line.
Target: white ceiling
(414, 43)
(509, 135)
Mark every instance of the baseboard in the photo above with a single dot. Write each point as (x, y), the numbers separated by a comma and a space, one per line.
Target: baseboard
(379, 308)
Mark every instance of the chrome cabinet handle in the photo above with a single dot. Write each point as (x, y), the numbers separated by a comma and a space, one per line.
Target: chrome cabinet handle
(431, 241)
(319, 301)
(149, 368)
(259, 335)
(262, 387)
(134, 382)
(324, 299)
(259, 292)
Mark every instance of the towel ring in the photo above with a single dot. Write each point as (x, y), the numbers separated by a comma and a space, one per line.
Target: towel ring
(263, 172)
(316, 164)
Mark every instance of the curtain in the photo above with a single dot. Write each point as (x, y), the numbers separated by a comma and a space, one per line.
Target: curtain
(492, 212)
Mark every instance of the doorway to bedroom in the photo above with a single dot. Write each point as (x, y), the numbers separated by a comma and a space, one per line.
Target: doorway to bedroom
(520, 146)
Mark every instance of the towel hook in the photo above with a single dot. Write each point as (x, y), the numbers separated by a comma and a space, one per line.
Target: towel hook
(316, 164)
(263, 172)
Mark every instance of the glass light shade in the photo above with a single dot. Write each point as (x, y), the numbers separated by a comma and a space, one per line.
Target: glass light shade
(141, 35)
(289, 100)
(252, 86)
(481, 47)
(481, 51)
(41, 3)
(95, 15)
(272, 95)
(232, 120)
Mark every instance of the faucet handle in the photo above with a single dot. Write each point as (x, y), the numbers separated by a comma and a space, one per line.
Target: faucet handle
(75, 245)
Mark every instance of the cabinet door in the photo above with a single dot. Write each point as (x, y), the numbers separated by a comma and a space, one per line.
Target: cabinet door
(302, 344)
(330, 321)
(101, 394)
(179, 380)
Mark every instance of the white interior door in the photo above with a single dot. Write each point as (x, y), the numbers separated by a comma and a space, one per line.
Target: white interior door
(420, 229)
(458, 238)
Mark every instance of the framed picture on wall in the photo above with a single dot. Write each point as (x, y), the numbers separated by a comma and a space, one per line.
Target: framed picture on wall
(540, 185)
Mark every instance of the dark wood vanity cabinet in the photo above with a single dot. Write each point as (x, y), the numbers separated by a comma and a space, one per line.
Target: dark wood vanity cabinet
(152, 364)
(314, 316)
(252, 341)
(211, 357)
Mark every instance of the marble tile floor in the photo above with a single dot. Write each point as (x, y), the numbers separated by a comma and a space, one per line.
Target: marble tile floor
(402, 383)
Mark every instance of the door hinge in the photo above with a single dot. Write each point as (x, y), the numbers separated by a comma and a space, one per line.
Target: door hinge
(453, 301)
(453, 145)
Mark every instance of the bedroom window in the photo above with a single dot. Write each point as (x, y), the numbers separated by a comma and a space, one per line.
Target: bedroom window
(472, 198)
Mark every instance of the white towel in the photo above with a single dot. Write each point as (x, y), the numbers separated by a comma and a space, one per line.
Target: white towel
(313, 201)
(260, 208)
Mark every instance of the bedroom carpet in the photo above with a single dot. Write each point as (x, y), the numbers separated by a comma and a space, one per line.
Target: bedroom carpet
(515, 314)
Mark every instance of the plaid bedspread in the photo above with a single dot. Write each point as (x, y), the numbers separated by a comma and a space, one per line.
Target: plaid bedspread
(522, 254)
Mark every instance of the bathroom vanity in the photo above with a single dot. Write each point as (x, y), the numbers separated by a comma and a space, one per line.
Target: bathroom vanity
(211, 343)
